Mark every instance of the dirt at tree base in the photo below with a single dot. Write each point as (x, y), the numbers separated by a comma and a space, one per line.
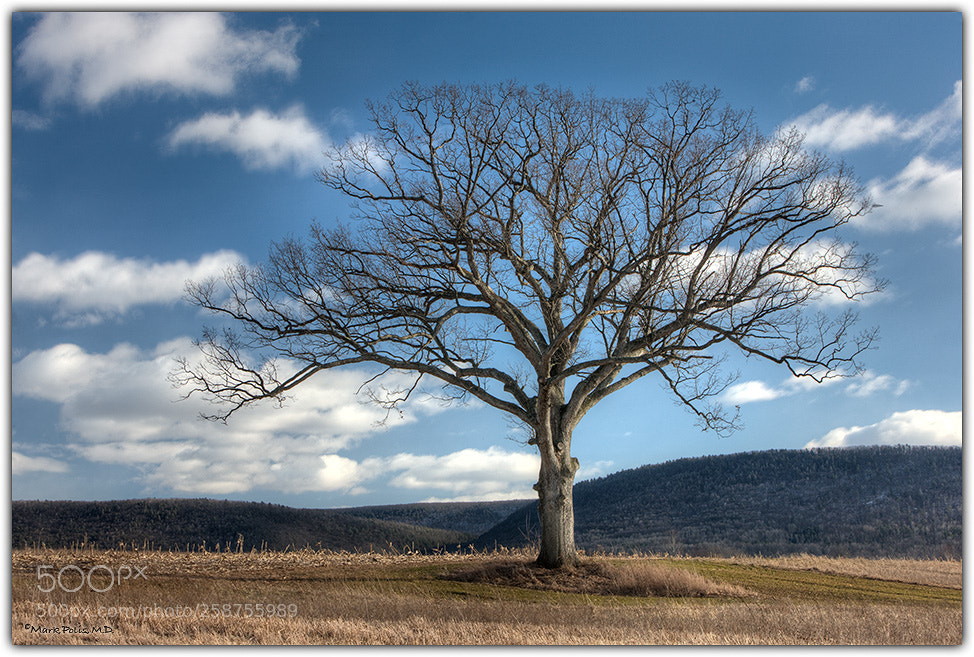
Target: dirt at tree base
(594, 577)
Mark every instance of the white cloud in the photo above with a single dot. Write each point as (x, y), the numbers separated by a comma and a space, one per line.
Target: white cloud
(848, 129)
(21, 464)
(805, 85)
(261, 139)
(593, 470)
(751, 391)
(120, 408)
(916, 427)
(869, 383)
(863, 385)
(833, 266)
(90, 57)
(823, 273)
(95, 285)
(843, 130)
(467, 474)
(925, 192)
(339, 473)
(943, 122)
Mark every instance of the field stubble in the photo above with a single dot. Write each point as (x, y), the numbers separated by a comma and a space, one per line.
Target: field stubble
(318, 597)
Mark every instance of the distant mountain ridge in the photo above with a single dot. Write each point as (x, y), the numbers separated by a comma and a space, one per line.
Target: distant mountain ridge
(864, 501)
(869, 501)
(182, 524)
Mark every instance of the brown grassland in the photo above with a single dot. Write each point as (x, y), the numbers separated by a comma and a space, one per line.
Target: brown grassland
(319, 597)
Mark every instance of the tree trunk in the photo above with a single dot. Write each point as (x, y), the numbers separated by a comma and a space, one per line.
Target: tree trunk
(555, 508)
(553, 436)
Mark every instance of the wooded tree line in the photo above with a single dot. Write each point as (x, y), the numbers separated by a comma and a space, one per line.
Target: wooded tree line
(868, 501)
(182, 524)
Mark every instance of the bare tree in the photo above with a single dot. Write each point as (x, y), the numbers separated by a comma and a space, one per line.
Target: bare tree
(540, 250)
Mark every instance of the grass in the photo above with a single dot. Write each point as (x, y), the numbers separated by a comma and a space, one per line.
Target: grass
(935, 572)
(320, 597)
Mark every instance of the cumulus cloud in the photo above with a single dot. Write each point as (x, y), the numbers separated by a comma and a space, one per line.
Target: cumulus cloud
(468, 474)
(829, 264)
(862, 385)
(825, 273)
(915, 427)
(88, 58)
(120, 409)
(261, 139)
(925, 192)
(95, 285)
(848, 129)
(22, 464)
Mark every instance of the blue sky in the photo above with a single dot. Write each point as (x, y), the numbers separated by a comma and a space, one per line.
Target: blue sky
(151, 149)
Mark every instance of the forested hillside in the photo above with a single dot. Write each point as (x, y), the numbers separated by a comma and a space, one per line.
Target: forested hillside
(469, 517)
(189, 524)
(869, 501)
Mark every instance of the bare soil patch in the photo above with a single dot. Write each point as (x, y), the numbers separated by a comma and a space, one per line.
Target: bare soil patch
(599, 578)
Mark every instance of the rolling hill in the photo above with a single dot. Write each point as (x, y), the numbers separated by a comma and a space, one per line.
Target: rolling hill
(867, 501)
(182, 524)
(469, 517)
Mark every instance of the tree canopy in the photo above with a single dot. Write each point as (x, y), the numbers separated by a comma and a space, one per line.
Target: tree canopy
(540, 250)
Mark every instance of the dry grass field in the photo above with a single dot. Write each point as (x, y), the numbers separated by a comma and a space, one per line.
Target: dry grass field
(316, 597)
